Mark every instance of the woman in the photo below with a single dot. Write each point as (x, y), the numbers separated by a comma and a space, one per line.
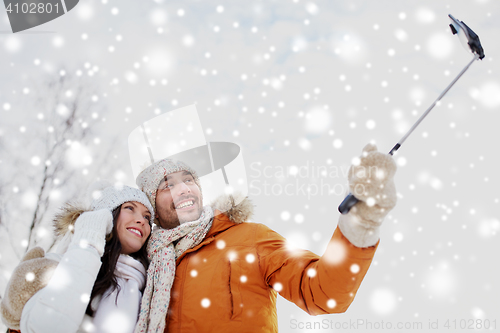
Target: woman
(115, 232)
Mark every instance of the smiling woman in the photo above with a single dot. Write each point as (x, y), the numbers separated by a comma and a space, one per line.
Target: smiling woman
(115, 232)
(133, 226)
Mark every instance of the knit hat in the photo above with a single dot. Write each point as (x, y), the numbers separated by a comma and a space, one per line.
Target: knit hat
(113, 196)
(149, 179)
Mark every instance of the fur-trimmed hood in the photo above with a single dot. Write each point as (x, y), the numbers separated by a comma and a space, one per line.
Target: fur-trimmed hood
(236, 207)
(65, 219)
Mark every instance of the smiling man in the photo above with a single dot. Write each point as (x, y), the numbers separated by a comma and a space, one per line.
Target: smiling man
(187, 204)
(213, 271)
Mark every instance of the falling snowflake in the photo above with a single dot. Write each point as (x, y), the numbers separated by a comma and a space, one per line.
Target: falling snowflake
(383, 301)
(205, 302)
(285, 215)
(331, 303)
(30, 276)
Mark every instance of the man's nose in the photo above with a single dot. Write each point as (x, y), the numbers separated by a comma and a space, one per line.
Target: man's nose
(182, 188)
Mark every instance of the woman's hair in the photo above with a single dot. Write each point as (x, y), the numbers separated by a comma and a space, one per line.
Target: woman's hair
(106, 277)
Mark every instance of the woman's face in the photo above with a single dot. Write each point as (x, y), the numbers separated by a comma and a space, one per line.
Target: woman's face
(133, 226)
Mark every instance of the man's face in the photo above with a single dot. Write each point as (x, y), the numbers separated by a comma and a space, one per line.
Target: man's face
(178, 200)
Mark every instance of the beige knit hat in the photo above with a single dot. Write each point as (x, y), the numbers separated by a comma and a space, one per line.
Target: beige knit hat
(149, 179)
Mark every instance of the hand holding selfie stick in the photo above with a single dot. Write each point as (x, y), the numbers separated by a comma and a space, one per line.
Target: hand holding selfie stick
(472, 43)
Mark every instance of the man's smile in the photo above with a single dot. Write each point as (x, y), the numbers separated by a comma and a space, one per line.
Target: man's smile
(185, 204)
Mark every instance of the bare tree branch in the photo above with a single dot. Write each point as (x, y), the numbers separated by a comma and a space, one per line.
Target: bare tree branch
(63, 103)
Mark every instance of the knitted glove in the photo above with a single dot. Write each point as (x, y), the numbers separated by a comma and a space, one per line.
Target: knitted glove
(372, 182)
(91, 229)
(32, 274)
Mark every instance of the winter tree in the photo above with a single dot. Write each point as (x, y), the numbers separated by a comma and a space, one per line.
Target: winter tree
(52, 146)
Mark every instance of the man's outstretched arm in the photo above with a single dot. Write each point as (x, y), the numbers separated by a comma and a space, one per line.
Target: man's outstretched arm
(318, 285)
(328, 284)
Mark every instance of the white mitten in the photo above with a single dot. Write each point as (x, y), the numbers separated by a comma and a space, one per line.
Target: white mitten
(372, 183)
(91, 229)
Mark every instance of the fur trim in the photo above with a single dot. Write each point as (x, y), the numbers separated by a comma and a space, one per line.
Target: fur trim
(236, 207)
(66, 218)
(32, 274)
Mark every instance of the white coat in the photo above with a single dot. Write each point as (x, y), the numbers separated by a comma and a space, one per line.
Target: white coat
(60, 306)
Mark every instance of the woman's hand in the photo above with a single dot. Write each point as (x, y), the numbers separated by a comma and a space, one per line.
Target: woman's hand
(91, 229)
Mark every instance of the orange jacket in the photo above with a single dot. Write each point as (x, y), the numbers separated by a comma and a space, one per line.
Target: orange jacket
(225, 284)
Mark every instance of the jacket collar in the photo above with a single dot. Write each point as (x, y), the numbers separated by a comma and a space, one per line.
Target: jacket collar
(236, 207)
(229, 210)
(221, 223)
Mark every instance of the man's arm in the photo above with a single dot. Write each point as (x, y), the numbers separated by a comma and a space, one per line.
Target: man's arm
(329, 283)
(318, 285)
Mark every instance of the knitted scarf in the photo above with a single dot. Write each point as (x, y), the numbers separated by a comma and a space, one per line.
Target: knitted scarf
(162, 254)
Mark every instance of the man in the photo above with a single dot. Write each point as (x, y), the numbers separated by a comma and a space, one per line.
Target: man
(215, 272)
